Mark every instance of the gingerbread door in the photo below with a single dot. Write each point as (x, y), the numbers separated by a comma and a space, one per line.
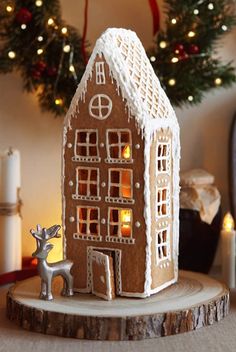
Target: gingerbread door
(103, 283)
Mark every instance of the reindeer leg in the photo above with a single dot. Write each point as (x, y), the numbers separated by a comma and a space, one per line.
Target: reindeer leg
(43, 290)
(65, 286)
(70, 291)
(49, 296)
(68, 285)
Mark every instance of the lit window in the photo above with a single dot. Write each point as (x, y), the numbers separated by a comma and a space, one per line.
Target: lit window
(162, 245)
(120, 222)
(86, 146)
(119, 146)
(100, 73)
(120, 189)
(88, 220)
(87, 183)
(163, 202)
(100, 106)
(163, 157)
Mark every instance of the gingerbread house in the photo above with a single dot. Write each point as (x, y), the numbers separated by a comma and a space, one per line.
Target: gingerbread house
(120, 179)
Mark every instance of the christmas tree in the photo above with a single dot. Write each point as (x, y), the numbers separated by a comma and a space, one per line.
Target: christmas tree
(184, 57)
(43, 48)
(50, 54)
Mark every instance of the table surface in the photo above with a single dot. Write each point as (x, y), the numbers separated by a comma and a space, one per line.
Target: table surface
(217, 338)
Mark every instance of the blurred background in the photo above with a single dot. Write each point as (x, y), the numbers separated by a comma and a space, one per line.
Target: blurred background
(204, 128)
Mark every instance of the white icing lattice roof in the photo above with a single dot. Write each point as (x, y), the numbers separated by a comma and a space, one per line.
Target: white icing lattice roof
(134, 76)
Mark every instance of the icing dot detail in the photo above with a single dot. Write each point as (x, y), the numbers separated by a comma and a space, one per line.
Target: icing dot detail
(137, 185)
(69, 145)
(103, 221)
(103, 184)
(137, 224)
(71, 183)
(102, 145)
(137, 146)
(71, 219)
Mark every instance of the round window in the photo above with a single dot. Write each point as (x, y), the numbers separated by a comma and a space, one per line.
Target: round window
(100, 106)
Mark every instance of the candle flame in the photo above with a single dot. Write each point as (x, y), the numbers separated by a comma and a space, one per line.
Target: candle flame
(125, 215)
(126, 152)
(228, 222)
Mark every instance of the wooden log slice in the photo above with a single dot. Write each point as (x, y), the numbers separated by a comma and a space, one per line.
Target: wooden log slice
(195, 301)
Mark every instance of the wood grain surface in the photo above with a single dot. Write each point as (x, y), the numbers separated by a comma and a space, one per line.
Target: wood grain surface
(194, 302)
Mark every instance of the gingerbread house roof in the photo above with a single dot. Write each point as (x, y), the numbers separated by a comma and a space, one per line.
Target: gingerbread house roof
(135, 78)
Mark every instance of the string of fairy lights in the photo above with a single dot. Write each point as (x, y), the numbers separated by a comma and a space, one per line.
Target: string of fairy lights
(178, 50)
(67, 53)
(179, 53)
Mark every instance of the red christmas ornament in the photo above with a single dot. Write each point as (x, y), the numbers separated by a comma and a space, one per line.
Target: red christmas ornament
(41, 66)
(35, 74)
(51, 71)
(23, 16)
(193, 49)
(178, 48)
(183, 56)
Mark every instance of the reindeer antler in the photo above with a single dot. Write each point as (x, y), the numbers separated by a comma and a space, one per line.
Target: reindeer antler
(38, 233)
(45, 234)
(52, 232)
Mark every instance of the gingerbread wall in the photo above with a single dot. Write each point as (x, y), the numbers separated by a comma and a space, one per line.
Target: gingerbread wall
(162, 270)
(133, 255)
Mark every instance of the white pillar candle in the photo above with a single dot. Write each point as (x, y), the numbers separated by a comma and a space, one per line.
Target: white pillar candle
(10, 225)
(10, 176)
(228, 251)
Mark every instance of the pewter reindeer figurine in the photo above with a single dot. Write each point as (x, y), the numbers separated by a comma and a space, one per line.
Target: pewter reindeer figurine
(48, 271)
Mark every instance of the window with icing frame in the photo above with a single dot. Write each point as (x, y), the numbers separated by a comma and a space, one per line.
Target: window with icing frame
(162, 202)
(120, 186)
(100, 73)
(86, 146)
(163, 157)
(119, 146)
(87, 183)
(88, 223)
(120, 225)
(100, 106)
(162, 245)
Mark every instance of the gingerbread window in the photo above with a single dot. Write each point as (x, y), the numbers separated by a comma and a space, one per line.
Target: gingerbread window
(86, 146)
(88, 223)
(163, 157)
(163, 202)
(120, 225)
(100, 106)
(87, 184)
(100, 73)
(162, 245)
(120, 186)
(119, 146)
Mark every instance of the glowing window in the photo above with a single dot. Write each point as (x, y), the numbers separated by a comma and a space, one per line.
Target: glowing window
(119, 146)
(120, 186)
(120, 222)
